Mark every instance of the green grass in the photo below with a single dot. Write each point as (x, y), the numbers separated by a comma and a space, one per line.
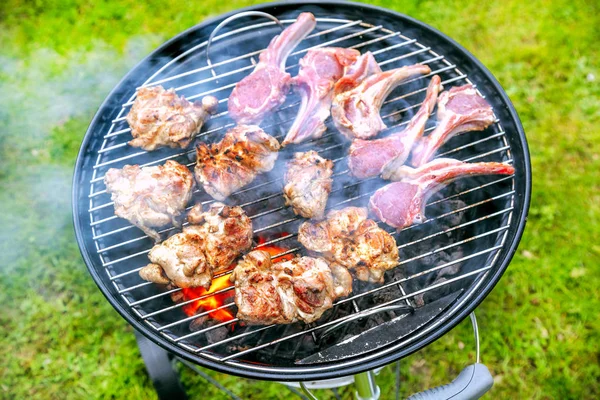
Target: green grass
(61, 339)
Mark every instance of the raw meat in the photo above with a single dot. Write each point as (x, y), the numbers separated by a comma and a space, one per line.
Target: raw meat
(366, 158)
(266, 87)
(319, 70)
(461, 109)
(402, 203)
(355, 112)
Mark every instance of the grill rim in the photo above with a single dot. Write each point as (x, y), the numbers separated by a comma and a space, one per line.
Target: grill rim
(483, 286)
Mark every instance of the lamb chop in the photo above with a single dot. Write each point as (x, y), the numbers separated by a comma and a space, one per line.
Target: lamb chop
(244, 152)
(402, 203)
(355, 112)
(355, 74)
(348, 238)
(367, 158)
(159, 117)
(212, 241)
(301, 289)
(150, 197)
(308, 184)
(461, 109)
(319, 70)
(265, 88)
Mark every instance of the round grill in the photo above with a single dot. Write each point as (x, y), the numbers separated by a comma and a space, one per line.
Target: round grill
(464, 246)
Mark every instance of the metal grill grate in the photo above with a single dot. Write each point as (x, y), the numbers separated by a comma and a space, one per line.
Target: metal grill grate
(487, 212)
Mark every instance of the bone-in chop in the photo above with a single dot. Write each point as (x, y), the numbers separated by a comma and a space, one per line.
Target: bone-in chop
(355, 74)
(348, 238)
(402, 203)
(301, 289)
(212, 241)
(366, 158)
(308, 184)
(159, 117)
(319, 70)
(244, 152)
(461, 109)
(266, 87)
(150, 197)
(356, 112)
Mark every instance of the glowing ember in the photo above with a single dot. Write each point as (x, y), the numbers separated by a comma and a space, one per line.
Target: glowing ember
(217, 300)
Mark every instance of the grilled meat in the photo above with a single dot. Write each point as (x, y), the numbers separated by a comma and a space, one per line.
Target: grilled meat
(461, 109)
(348, 238)
(301, 289)
(265, 88)
(212, 241)
(224, 167)
(159, 117)
(319, 70)
(367, 158)
(355, 112)
(308, 184)
(150, 197)
(402, 203)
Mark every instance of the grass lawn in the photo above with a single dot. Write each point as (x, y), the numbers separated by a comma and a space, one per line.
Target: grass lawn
(60, 338)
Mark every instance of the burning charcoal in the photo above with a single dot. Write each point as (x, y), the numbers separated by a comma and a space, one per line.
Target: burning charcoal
(212, 335)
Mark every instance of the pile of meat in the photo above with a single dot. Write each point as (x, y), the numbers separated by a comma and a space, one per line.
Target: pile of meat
(342, 244)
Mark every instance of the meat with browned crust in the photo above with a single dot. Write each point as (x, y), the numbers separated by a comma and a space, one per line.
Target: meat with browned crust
(150, 197)
(159, 117)
(308, 184)
(224, 167)
(301, 289)
(212, 241)
(348, 238)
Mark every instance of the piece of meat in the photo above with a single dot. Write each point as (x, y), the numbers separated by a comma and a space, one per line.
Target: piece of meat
(150, 197)
(461, 109)
(212, 241)
(266, 87)
(308, 184)
(355, 74)
(159, 117)
(319, 70)
(351, 240)
(355, 112)
(244, 152)
(367, 158)
(301, 289)
(402, 203)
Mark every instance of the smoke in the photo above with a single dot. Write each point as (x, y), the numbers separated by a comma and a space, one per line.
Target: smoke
(47, 101)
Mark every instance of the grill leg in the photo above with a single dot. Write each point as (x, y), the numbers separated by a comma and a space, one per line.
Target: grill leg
(158, 364)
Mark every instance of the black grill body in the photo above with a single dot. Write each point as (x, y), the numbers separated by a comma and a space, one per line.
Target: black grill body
(479, 221)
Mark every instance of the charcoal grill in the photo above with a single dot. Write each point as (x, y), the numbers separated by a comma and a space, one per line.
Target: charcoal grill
(463, 248)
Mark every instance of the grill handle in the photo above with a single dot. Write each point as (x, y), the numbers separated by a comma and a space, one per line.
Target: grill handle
(472, 383)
